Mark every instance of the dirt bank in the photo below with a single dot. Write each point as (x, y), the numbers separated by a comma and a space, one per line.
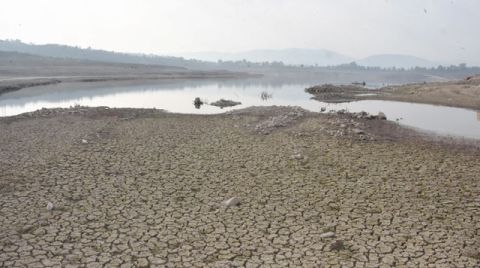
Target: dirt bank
(145, 188)
(18, 71)
(17, 83)
(463, 93)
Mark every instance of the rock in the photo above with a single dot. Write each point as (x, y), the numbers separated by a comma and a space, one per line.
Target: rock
(225, 103)
(84, 141)
(327, 235)
(232, 202)
(265, 95)
(297, 157)
(198, 102)
(49, 206)
(337, 245)
(381, 116)
(26, 229)
(282, 119)
(323, 109)
(362, 114)
(358, 131)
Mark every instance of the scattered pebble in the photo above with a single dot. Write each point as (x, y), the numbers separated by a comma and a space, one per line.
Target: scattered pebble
(84, 141)
(232, 202)
(49, 206)
(327, 235)
(337, 245)
(297, 157)
(358, 131)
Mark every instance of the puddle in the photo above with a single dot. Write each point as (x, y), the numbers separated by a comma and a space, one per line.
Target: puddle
(179, 96)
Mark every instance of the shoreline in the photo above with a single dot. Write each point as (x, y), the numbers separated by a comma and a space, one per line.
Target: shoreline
(460, 93)
(10, 84)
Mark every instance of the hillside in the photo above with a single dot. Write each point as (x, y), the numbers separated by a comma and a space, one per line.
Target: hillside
(14, 64)
(20, 70)
(63, 51)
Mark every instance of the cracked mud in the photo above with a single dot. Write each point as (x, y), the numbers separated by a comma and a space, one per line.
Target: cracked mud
(146, 190)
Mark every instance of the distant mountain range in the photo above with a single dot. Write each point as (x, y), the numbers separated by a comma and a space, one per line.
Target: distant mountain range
(212, 60)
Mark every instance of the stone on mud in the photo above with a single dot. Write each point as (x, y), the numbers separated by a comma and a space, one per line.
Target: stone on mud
(327, 235)
(232, 202)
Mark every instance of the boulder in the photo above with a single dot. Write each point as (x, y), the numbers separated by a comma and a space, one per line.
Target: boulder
(381, 116)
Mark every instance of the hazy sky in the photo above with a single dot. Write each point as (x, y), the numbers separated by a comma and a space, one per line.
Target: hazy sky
(441, 30)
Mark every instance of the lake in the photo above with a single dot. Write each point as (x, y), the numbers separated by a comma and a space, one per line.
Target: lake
(177, 96)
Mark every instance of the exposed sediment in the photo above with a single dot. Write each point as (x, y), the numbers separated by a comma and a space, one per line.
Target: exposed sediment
(462, 93)
(147, 188)
(13, 85)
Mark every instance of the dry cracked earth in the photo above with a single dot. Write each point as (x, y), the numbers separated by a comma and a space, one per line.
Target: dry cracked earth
(145, 189)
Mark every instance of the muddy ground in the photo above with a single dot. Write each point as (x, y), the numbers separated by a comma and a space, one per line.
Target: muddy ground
(140, 188)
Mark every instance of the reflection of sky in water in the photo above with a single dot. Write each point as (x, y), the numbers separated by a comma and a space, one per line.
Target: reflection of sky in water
(178, 98)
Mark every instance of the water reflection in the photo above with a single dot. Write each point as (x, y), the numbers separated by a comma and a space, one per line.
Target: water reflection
(177, 96)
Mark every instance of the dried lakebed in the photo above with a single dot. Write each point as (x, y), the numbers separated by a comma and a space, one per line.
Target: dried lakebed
(145, 188)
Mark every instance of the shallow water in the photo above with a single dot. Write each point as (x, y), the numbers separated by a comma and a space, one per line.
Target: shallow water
(178, 96)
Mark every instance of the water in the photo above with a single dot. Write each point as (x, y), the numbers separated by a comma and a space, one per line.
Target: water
(177, 96)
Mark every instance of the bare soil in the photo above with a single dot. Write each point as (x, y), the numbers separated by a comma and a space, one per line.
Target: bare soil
(463, 93)
(144, 188)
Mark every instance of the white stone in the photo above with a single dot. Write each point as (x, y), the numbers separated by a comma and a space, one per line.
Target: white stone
(358, 131)
(327, 235)
(84, 141)
(234, 201)
(297, 156)
(49, 206)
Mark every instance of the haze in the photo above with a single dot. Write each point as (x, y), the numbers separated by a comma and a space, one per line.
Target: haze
(438, 30)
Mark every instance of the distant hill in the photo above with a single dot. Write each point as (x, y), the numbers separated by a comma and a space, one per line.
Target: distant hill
(210, 60)
(398, 61)
(63, 51)
(292, 56)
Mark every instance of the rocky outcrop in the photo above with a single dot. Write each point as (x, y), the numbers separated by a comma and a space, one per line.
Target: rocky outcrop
(336, 93)
(222, 103)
